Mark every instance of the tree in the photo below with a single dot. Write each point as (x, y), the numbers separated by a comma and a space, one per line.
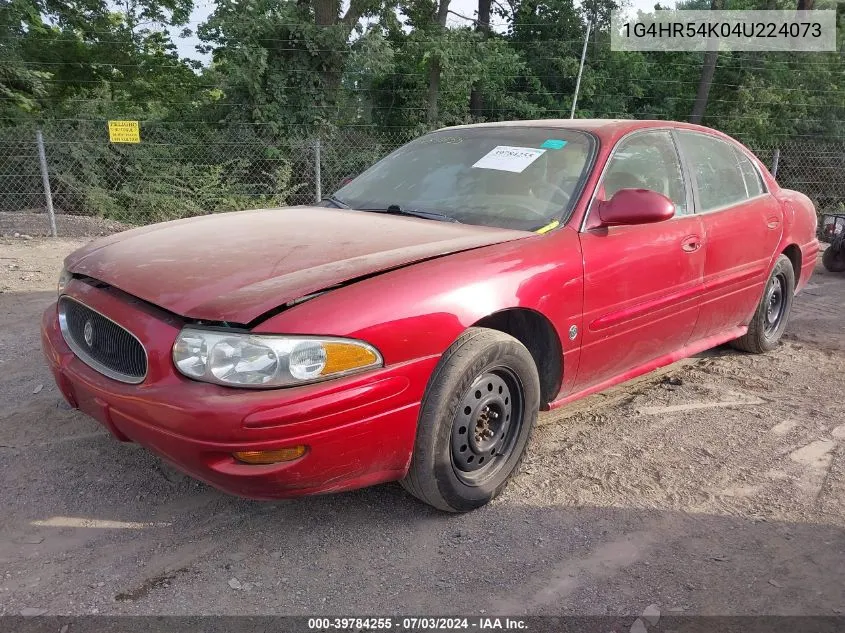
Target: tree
(708, 67)
(21, 86)
(476, 98)
(89, 53)
(435, 62)
(283, 61)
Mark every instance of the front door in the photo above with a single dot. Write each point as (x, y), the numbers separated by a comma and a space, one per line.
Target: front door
(743, 224)
(641, 283)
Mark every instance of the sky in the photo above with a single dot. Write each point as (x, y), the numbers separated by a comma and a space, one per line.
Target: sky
(203, 8)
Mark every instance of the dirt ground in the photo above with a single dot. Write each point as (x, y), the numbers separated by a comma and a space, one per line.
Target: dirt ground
(28, 225)
(716, 486)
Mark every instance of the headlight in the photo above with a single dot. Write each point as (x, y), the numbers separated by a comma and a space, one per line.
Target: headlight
(64, 280)
(258, 360)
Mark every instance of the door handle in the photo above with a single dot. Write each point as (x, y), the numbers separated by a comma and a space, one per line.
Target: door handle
(691, 243)
(773, 222)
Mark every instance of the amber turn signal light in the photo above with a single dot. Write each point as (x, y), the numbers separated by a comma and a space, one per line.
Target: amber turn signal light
(270, 457)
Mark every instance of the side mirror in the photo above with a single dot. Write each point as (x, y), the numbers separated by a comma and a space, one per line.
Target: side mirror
(635, 206)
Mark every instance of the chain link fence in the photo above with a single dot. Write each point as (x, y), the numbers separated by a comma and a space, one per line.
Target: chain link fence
(177, 170)
(182, 170)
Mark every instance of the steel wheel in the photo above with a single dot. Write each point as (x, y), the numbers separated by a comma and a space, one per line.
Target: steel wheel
(775, 304)
(476, 419)
(769, 321)
(486, 426)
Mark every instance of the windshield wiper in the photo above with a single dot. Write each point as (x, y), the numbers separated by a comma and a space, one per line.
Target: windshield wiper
(336, 202)
(394, 209)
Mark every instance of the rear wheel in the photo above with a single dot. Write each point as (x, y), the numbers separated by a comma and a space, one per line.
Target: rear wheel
(834, 259)
(772, 314)
(476, 418)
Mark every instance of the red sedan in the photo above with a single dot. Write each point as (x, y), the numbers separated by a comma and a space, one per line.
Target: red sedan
(412, 325)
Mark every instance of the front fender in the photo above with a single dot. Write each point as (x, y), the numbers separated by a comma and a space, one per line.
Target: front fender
(419, 310)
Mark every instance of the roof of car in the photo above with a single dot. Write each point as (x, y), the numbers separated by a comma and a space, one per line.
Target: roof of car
(601, 127)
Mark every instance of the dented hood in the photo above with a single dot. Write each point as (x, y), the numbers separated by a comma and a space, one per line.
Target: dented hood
(237, 266)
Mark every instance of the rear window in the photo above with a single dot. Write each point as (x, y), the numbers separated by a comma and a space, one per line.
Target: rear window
(753, 181)
(723, 175)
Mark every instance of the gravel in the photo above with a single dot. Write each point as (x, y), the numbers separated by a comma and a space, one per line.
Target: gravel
(715, 486)
(26, 226)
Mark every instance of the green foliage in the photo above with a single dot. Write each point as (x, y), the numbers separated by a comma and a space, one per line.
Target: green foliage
(174, 173)
(239, 132)
(20, 85)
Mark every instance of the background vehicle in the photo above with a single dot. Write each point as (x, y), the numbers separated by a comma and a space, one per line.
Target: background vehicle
(469, 279)
(833, 231)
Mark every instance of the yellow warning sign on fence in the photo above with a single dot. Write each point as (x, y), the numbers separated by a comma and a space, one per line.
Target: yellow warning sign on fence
(124, 132)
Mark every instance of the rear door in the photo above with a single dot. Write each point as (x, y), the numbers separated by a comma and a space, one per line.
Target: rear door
(743, 224)
(641, 283)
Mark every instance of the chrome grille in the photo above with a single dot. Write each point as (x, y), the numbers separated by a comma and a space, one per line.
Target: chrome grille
(101, 343)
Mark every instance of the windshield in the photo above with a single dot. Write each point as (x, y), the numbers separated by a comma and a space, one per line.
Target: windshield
(508, 177)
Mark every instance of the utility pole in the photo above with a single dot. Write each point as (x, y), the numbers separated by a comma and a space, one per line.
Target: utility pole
(580, 69)
(45, 181)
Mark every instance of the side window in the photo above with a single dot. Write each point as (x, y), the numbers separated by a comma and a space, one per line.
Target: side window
(647, 160)
(753, 181)
(718, 171)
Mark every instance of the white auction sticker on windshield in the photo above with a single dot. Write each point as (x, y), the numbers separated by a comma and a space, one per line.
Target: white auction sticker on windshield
(507, 158)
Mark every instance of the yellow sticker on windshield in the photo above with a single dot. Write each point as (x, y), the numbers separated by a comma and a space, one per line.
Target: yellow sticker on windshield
(548, 227)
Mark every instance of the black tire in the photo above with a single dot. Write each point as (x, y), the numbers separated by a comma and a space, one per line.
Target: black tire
(772, 314)
(476, 373)
(834, 259)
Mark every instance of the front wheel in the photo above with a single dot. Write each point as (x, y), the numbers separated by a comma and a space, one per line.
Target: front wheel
(834, 259)
(476, 418)
(772, 314)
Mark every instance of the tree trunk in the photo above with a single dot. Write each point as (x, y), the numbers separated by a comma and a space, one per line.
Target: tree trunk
(476, 100)
(483, 16)
(325, 12)
(442, 13)
(708, 68)
(433, 89)
(434, 67)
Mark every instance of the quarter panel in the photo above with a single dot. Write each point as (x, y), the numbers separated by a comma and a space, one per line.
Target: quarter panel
(800, 226)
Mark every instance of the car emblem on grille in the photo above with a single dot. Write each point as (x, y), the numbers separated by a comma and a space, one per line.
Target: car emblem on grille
(88, 333)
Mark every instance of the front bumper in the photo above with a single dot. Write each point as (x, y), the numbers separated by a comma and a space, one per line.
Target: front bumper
(358, 430)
